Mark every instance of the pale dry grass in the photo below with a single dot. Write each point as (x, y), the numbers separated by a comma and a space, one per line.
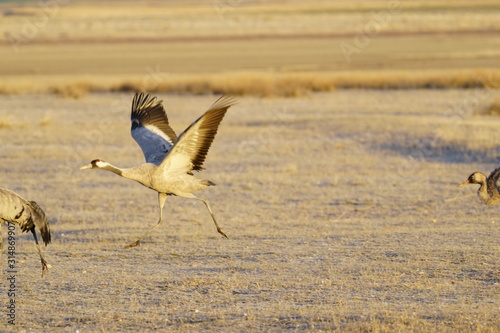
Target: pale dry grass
(158, 19)
(341, 208)
(262, 49)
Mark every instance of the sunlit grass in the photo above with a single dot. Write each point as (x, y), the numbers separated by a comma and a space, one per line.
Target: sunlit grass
(261, 49)
(337, 190)
(341, 208)
(271, 84)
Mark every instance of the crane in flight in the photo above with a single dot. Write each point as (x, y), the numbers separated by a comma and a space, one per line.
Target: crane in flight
(170, 160)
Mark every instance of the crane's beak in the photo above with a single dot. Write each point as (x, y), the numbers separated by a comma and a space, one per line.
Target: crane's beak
(88, 166)
(464, 183)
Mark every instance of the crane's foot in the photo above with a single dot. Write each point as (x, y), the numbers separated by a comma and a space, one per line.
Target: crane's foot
(44, 266)
(134, 244)
(222, 232)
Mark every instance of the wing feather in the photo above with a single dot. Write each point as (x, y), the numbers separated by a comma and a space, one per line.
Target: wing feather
(492, 181)
(150, 128)
(191, 147)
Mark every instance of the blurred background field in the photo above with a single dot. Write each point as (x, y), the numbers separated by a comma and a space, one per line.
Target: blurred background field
(247, 47)
(336, 171)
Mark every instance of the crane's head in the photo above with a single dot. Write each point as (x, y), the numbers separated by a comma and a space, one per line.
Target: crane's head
(475, 178)
(95, 164)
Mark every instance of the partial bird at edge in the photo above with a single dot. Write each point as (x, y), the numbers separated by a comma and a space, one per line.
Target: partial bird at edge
(489, 190)
(26, 214)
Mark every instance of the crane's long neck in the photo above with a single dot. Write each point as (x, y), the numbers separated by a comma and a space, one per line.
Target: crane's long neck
(113, 169)
(483, 193)
(137, 173)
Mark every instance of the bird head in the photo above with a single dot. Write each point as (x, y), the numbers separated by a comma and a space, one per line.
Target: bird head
(474, 178)
(95, 164)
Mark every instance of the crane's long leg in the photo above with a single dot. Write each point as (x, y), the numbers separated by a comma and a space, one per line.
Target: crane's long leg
(161, 201)
(213, 217)
(44, 263)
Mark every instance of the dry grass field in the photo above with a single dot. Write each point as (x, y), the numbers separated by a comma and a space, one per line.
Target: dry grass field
(341, 205)
(341, 208)
(272, 48)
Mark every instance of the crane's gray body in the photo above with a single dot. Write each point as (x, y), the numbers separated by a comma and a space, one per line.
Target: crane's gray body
(27, 214)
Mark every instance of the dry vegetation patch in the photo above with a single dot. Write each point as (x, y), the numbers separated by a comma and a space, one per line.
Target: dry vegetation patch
(329, 229)
(338, 194)
(262, 49)
(490, 108)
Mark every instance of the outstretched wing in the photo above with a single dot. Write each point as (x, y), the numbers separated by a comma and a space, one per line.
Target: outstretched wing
(492, 181)
(150, 128)
(191, 147)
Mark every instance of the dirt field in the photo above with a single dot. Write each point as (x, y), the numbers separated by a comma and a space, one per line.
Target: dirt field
(341, 208)
(341, 205)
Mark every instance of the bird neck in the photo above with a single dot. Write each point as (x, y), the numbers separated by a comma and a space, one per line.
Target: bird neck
(483, 192)
(140, 173)
(113, 169)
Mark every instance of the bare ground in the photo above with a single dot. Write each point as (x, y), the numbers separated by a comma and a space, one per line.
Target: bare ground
(341, 208)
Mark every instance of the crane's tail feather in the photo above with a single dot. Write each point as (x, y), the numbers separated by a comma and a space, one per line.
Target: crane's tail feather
(41, 222)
